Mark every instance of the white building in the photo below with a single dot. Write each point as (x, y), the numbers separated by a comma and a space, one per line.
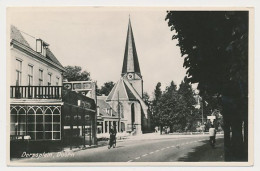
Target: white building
(35, 89)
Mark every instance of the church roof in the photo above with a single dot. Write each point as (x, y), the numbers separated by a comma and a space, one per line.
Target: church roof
(121, 92)
(124, 91)
(130, 63)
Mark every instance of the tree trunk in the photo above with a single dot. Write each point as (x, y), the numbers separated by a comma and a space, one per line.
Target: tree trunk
(227, 140)
(171, 129)
(235, 146)
(246, 138)
(237, 139)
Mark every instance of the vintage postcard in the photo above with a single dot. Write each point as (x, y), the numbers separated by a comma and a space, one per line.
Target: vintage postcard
(129, 86)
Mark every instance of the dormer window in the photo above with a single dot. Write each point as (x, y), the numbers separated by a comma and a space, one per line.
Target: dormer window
(41, 47)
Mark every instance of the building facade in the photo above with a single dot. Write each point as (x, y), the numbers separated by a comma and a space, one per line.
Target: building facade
(43, 114)
(107, 117)
(80, 120)
(35, 89)
(127, 94)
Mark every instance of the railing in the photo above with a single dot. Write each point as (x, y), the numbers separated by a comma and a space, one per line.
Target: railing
(36, 92)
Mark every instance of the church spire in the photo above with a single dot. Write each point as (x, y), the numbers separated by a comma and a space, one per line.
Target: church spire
(130, 64)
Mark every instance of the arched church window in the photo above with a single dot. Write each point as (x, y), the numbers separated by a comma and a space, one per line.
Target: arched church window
(132, 115)
(120, 110)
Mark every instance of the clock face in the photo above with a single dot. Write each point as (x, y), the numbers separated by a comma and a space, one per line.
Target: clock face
(130, 76)
(67, 86)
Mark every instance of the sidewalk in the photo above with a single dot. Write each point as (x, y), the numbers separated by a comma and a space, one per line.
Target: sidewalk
(150, 136)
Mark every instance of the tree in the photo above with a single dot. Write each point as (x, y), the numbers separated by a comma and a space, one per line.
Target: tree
(170, 106)
(174, 108)
(188, 100)
(106, 88)
(75, 73)
(155, 110)
(215, 50)
(146, 98)
(157, 91)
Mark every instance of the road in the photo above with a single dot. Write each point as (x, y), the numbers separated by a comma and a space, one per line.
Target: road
(166, 149)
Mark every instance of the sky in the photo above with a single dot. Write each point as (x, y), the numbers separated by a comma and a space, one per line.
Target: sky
(94, 38)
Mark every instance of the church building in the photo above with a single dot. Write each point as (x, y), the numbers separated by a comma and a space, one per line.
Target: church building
(126, 97)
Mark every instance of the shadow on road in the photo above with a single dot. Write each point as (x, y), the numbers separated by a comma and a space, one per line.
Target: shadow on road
(205, 153)
(117, 147)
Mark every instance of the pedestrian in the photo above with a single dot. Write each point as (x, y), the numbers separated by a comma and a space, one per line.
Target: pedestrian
(212, 135)
(156, 129)
(112, 133)
(168, 130)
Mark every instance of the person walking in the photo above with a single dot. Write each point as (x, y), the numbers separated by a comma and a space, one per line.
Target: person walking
(212, 136)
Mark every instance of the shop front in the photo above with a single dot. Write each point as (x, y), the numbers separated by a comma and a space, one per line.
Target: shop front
(78, 120)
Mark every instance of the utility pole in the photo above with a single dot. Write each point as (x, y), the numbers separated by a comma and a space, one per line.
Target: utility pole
(95, 116)
(119, 115)
(83, 124)
(202, 111)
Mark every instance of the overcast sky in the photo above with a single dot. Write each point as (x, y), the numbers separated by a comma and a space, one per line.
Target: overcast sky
(94, 38)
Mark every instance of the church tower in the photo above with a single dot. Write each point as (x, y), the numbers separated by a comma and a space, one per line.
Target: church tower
(131, 69)
(126, 96)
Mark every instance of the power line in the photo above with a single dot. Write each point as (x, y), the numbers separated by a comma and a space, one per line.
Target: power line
(27, 34)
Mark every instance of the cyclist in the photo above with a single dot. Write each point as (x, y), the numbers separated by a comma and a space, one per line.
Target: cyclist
(112, 133)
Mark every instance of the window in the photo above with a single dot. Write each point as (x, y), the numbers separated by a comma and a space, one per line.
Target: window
(121, 114)
(57, 81)
(98, 114)
(40, 77)
(39, 122)
(30, 75)
(18, 120)
(49, 79)
(39, 45)
(18, 71)
(52, 123)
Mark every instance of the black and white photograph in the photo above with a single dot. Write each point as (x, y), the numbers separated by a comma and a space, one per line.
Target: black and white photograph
(129, 86)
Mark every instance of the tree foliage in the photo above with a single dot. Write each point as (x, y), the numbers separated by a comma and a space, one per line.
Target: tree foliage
(215, 49)
(188, 99)
(174, 108)
(214, 45)
(75, 73)
(146, 98)
(106, 88)
(154, 108)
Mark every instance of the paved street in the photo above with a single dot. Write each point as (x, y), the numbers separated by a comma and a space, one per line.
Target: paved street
(164, 148)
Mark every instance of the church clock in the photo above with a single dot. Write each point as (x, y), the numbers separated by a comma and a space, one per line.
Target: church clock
(130, 76)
